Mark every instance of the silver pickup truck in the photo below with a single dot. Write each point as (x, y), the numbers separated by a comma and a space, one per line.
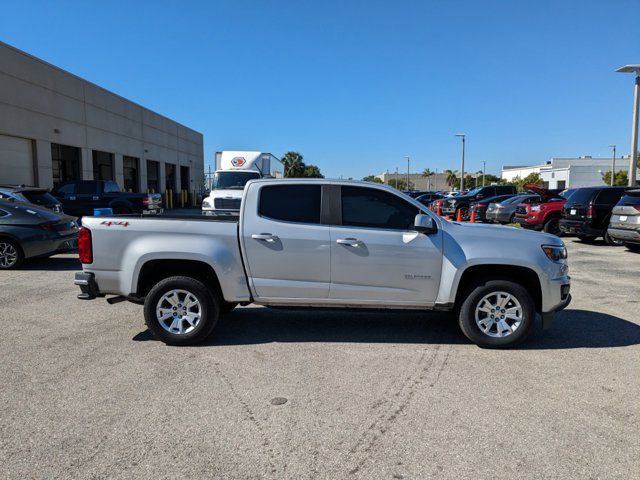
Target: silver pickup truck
(321, 243)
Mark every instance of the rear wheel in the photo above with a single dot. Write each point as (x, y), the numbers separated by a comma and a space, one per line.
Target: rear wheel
(497, 314)
(552, 226)
(11, 255)
(181, 311)
(613, 242)
(634, 247)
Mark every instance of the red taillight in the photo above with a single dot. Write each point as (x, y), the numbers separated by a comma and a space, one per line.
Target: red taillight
(47, 226)
(590, 211)
(482, 205)
(637, 207)
(85, 248)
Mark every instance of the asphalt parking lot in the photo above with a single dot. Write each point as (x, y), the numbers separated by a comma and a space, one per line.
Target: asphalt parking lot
(87, 393)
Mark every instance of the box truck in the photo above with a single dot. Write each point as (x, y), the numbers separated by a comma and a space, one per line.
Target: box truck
(233, 170)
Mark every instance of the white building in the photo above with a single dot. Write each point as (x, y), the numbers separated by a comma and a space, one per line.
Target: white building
(568, 172)
(55, 126)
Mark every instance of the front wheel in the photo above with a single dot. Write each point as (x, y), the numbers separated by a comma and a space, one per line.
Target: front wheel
(497, 314)
(552, 226)
(181, 311)
(586, 238)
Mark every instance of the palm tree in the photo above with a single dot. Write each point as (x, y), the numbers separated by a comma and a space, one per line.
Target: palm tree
(293, 165)
(451, 178)
(427, 173)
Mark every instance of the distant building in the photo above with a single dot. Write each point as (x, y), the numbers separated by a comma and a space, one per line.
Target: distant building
(435, 182)
(568, 172)
(55, 127)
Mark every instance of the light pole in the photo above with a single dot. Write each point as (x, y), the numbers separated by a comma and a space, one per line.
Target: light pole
(613, 164)
(397, 178)
(408, 159)
(462, 135)
(484, 166)
(634, 127)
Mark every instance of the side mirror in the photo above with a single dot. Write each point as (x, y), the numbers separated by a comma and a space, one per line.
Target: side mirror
(424, 224)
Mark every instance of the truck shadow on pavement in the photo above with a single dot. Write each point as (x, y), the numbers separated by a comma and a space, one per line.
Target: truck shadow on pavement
(55, 263)
(252, 325)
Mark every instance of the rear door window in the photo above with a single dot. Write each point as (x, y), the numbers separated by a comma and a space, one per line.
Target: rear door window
(609, 196)
(373, 208)
(111, 187)
(66, 189)
(87, 188)
(291, 203)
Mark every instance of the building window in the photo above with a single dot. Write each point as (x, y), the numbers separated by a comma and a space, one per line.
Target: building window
(562, 184)
(102, 165)
(65, 162)
(153, 176)
(170, 176)
(184, 178)
(130, 172)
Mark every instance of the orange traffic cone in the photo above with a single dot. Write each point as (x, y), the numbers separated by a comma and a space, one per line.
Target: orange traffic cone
(459, 215)
(473, 216)
(439, 210)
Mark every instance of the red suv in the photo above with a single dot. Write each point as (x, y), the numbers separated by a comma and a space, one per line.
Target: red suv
(544, 215)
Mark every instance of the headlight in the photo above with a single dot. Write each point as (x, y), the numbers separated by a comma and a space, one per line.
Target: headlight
(555, 252)
(535, 208)
(206, 204)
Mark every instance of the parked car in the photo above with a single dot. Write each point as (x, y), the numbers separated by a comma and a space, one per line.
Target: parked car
(543, 214)
(35, 195)
(505, 211)
(624, 225)
(414, 193)
(462, 203)
(480, 207)
(82, 197)
(428, 198)
(324, 243)
(588, 211)
(27, 231)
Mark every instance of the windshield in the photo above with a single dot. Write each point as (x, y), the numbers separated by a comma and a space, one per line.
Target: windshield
(232, 180)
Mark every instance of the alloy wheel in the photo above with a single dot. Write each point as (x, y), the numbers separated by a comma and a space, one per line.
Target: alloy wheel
(498, 314)
(8, 255)
(178, 312)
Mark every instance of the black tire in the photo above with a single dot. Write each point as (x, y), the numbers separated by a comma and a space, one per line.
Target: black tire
(612, 242)
(475, 294)
(586, 238)
(226, 307)
(11, 255)
(209, 311)
(634, 247)
(464, 213)
(552, 226)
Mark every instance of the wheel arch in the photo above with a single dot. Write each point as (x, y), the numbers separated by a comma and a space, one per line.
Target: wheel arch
(14, 239)
(155, 270)
(525, 276)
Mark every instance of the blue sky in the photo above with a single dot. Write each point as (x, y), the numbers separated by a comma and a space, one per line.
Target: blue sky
(357, 85)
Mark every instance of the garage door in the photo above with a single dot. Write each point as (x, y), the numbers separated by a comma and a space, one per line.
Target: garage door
(16, 161)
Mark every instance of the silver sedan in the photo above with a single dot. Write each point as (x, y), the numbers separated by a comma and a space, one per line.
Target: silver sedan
(503, 212)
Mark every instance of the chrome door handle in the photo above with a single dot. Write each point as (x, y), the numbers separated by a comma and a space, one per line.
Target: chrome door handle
(349, 242)
(267, 237)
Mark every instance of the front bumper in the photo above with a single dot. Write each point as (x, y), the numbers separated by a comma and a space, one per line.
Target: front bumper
(88, 286)
(625, 234)
(498, 216)
(524, 223)
(561, 300)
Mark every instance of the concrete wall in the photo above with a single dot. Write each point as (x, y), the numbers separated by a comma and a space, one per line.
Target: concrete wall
(45, 104)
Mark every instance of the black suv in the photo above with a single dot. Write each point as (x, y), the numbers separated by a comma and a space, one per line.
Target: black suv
(462, 203)
(587, 212)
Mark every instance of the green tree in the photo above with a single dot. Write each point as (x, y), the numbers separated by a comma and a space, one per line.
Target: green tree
(311, 171)
(427, 173)
(532, 178)
(293, 165)
(489, 179)
(451, 178)
(372, 178)
(400, 184)
(621, 179)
